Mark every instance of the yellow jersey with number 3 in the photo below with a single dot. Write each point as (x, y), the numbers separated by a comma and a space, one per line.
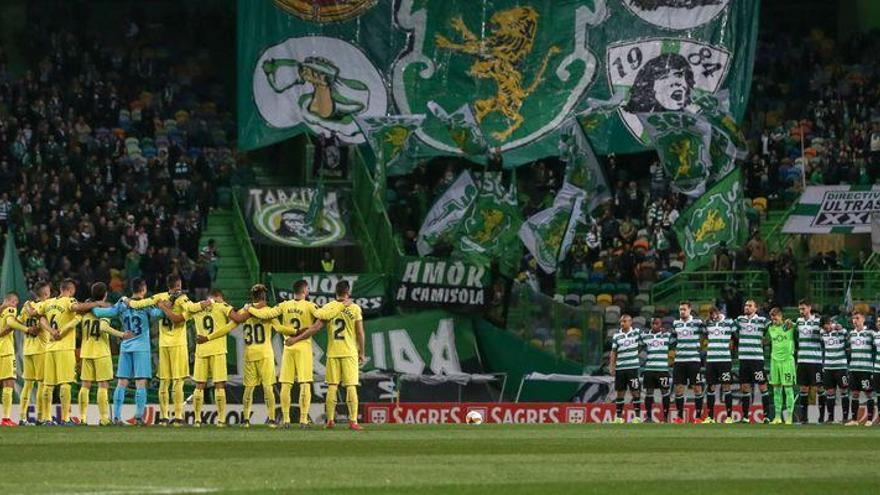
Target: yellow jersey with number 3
(57, 311)
(33, 344)
(341, 329)
(299, 314)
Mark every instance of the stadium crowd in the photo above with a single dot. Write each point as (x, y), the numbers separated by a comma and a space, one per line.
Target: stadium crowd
(112, 146)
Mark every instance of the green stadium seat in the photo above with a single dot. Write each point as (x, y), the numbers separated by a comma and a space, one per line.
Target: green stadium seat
(647, 311)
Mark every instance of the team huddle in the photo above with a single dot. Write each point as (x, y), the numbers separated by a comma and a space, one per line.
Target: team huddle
(812, 354)
(51, 325)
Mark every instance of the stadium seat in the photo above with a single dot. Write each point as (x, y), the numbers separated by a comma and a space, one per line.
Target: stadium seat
(643, 297)
(621, 300)
(604, 299)
(559, 298)
(574, 333)
(572, 299)
(704, 311)
(612, 314)
(588, 298)
(667, 321)
(591, 288)
(676, 265)
(608, 287)
(760, 204)
(599, 266)
(647, 311)
(640, 322)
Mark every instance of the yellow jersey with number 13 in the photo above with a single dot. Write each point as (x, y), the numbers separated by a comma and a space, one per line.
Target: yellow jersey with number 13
(342, 328)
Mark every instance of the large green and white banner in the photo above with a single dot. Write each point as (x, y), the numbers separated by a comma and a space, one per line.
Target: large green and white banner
(367, 289)
(715, 218)
(301, 217)
(442, 283)
(834, 210)
(522, 68)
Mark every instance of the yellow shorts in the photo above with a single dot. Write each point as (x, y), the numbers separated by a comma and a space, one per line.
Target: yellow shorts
(213, 367)
(7, 367)
(173, 363)
(296, 365)
(33, 367)
(259, 372)
(342, 370)
(59, 367)
(96, 370)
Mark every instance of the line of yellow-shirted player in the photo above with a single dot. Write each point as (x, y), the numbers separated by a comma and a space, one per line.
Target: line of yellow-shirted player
(50, 326)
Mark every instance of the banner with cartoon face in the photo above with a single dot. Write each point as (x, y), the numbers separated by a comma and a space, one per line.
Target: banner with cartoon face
(523, 68)
(287, 216)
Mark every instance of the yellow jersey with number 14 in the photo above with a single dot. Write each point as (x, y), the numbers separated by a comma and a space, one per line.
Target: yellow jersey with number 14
(342, 328)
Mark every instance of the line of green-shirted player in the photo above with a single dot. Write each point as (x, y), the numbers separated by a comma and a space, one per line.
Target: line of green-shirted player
(811, 354)
(50, 353)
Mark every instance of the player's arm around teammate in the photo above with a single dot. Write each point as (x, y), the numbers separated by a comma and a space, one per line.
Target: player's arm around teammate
(8, 323)
(210, 317)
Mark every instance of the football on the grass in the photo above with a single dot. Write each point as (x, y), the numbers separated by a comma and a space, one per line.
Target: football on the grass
(474, 418)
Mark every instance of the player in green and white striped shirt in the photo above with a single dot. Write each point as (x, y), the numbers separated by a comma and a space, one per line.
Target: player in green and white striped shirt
(624, 365)
(809, 361)
(719, 333)
(751, 329)
(861, 368)
(656, 344)
(834, 367)
(688, 333)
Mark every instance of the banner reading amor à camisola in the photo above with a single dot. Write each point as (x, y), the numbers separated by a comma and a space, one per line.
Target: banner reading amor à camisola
(519, 70)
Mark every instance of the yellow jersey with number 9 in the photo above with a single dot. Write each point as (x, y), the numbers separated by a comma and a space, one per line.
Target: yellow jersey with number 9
(341, 329)
(208, 321)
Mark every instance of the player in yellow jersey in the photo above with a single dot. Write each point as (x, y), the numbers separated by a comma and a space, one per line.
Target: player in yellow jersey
(297, 359)
(8, 322)
(345, 351)
(34, 350)
(173, 353)
(259, 356)
(96, 363)
(210, 362)
(60, 361)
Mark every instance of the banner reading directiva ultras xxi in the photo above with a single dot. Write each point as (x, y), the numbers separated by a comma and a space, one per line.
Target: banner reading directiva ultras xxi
(287, 217)
(834, 210)
(524, 67)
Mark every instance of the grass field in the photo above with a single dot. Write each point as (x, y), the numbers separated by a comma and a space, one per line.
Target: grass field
(460, 459)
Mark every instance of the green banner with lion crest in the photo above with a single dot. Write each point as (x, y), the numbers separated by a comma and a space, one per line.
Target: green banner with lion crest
(524, 68)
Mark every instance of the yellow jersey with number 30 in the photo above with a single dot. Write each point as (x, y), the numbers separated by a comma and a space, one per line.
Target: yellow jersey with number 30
(342, 328)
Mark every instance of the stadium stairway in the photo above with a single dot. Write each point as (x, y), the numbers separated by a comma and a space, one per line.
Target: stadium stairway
(233, 276)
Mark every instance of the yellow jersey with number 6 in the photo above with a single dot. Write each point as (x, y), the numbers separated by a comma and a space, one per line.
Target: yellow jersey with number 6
(341, 329)
(57, 311)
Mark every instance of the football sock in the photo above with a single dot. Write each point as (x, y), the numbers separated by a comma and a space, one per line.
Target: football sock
(710, 402)
(48, 391)
(140, 402)
(305, 402)
(163, 398)
(844, 402)
(829, 407)
(351, 398)
(285, 402)
(40, 403)
(178, 399)
(637, 406)
(854, 407)
(777, 403)
(789, 401)
(618, 403)
(24, 399)
(745, 401)
(765, 402)
(269, 397)
(649, 406)
(118, 401)
(679, 405)
(64, 395)
(220, 401)
(728, 402)
(247, 401)
(665, 401)
(198, 401)
(82, 400)
(698, 405)
(103, 405)
(820, 401)
(802, 399)
(7, 402)
(869, 417)
(330, 402)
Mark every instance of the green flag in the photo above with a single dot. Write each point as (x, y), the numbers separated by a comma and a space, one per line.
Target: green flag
(315, 213)
(13, 273)
(446, 213)
(582, 169)
(716, 217)
(683, 142)
(391, 139)
(463, 128)
(549, 233)
(489, 232)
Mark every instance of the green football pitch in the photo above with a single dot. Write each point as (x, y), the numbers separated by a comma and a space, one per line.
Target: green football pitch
(460, 459)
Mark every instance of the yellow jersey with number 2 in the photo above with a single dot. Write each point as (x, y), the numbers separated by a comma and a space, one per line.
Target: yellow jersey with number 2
(341, 328)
